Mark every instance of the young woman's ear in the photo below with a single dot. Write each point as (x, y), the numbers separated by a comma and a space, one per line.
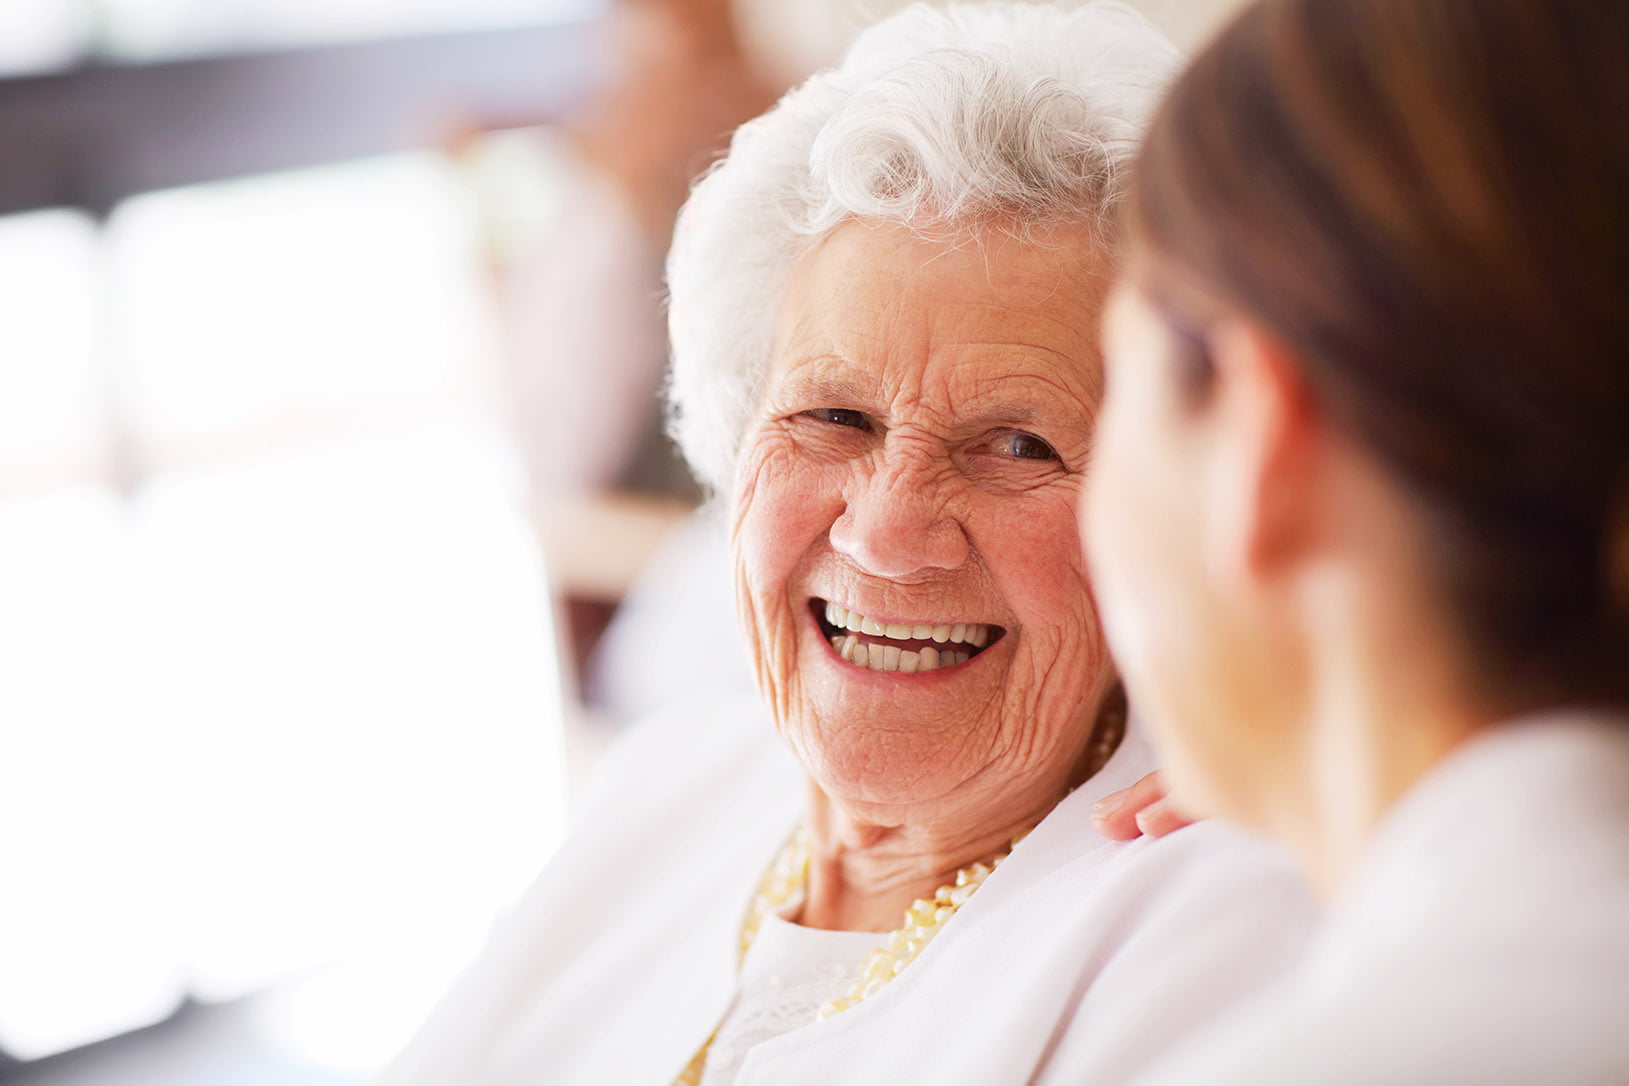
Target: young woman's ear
(1264, 483)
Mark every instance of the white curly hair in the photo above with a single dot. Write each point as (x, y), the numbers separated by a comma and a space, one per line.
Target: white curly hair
(936, 118)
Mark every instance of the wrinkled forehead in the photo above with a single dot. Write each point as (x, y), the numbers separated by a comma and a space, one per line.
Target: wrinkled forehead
(883, 313)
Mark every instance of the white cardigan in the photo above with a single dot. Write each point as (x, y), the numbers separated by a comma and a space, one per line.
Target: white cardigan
(1484, 939)
(621, 960)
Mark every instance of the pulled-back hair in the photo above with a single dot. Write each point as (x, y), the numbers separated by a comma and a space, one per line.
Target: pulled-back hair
(1428, 202)
(936, 119)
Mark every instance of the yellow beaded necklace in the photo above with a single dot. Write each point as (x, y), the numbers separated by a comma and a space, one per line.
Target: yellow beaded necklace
(786, 877)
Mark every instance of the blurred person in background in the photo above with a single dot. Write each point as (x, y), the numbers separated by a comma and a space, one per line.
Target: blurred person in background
(1359, 518)
(580, 302)
(884, 321)
(581, 306)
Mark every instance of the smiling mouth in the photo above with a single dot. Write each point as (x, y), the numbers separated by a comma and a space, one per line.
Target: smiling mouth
(909, 648)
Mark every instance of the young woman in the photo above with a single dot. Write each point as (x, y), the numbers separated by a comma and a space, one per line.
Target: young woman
(1359, 517)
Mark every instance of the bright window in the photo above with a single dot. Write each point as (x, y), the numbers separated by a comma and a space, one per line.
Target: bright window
(280, 684)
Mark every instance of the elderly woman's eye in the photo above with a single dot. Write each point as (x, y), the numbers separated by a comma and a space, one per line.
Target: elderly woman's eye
(839, 416)
(1024, 447)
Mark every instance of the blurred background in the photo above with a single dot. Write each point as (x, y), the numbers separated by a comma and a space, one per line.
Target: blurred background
(337, 531)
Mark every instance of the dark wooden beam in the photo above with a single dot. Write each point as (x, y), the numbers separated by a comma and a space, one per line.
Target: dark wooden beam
(95, 135)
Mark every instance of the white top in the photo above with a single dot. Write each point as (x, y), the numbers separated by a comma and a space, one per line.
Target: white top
(788, 973)
(1485, 937)
(621, 960)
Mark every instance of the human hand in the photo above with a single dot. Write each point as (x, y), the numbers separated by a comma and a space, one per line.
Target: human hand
(1141, 809)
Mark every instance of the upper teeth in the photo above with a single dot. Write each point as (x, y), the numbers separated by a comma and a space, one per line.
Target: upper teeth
(976, 634)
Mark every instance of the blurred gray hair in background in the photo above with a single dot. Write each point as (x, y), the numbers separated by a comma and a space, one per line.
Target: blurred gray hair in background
(935, 119)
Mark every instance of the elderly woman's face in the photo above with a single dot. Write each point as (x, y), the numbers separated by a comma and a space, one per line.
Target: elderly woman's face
(906, 549)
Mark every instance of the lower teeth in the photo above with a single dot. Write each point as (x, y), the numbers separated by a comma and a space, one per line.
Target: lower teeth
(875, 657)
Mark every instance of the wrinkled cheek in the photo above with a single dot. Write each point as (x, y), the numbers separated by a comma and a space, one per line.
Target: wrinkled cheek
(1065, 663)
(1072, 667)
(1093, 643)
(1074, 656)
(770, 534)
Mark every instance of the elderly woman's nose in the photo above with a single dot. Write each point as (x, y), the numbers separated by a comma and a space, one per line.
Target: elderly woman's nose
(896, 522)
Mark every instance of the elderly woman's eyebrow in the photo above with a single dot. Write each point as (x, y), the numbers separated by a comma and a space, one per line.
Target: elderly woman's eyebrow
(1007, 414)
(831, 389)
(827, 389)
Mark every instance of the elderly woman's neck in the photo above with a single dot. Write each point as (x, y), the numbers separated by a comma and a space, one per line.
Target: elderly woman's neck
(866, 868)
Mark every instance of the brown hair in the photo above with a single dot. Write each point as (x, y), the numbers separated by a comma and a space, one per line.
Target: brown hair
(1425, 200)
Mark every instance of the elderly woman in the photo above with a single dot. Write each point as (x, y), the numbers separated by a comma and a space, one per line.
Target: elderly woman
(884, 318)
(1359, 518)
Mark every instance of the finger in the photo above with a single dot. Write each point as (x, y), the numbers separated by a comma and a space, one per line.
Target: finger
(1160, 818)
(1115, 815)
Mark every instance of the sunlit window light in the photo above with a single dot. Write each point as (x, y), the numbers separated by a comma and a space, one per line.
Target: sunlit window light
(50, 392)
(42, 35)
(289, 708)
(328, 296)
